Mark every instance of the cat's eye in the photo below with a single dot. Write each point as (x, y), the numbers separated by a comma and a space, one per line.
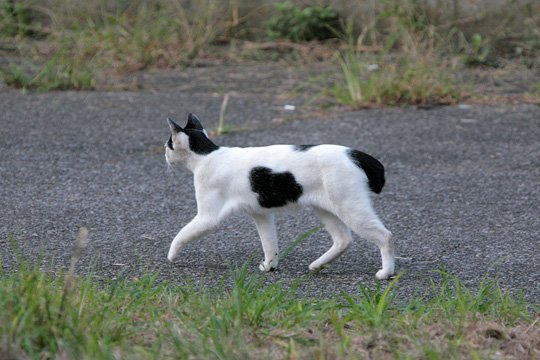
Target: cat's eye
(169, 143)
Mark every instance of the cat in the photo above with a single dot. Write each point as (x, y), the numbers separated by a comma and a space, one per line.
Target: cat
(333, 180)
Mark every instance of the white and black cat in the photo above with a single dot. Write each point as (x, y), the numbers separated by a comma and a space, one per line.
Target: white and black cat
(332, 180)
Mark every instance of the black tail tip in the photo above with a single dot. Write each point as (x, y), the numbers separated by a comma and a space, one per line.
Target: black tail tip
(372, 167)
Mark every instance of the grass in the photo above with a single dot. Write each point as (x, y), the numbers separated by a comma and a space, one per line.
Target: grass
(222, 127)
(409, 54)
(402, 81)
(405, 67)
(53, 75)
(76, 44)
(86, 40)
(64, 316)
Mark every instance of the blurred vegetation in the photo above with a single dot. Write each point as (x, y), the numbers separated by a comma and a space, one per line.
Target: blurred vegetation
(297, 24)
(417, 46)
(80, 38)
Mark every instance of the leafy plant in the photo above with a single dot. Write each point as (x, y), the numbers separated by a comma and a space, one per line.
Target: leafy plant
(302, 24)
(478, 53)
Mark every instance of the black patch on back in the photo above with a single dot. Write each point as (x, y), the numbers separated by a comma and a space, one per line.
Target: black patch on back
(274, 189)
(372, 167)
(303, 147)
(199, 143)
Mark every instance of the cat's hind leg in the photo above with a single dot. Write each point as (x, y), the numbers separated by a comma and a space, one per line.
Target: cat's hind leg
(341, 235)
(367, 225)
(267, 232)
(379, 235)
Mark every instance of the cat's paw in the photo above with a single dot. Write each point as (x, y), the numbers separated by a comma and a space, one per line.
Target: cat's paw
(318, 266)
(270, 266)
(316, 269)
(384, 274)
(171, 255)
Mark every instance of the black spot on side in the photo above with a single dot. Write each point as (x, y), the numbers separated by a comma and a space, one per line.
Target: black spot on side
(372, 167)
(303, 147)
(274, 189)
(169, 143)
(199, 143)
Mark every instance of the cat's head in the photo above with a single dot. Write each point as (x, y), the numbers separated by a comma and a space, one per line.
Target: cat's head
(187, 142)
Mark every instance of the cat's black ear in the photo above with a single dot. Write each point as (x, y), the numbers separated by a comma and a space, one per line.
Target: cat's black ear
(193, 122)
(175, 128)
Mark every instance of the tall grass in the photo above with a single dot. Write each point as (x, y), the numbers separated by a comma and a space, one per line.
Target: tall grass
(86, 39)
(74, 44)
(403, 67)
(404, 80)
(137, 34)
(410, 53)
(64, 316)
(56, 74)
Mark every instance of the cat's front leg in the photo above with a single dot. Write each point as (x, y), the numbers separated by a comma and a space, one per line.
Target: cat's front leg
(199, 226)
(267, 232)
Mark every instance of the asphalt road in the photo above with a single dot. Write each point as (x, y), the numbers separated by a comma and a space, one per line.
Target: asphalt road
(462, 191)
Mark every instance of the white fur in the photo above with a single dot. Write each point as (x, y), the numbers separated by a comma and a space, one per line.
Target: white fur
(332, 185)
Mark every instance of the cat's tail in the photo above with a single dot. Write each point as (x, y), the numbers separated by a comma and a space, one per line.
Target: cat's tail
(372, 167)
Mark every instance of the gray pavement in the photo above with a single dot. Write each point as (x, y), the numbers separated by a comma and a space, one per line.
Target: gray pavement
(462, 192)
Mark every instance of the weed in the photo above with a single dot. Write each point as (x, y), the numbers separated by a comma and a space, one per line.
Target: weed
(372, 308)
(48, 316)
(143, 318)
(77, 42)
(405, 69)
(222, 128)
(300, 239)
(15, 76)
(134, 38)
(16, 20)
(302, 24)
(113, 38)
(478, 53)
(53, 75)
(404, 81)
(458, 303)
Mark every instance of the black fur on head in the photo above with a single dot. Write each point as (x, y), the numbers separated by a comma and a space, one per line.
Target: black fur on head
(199, 142)
(193, 122)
